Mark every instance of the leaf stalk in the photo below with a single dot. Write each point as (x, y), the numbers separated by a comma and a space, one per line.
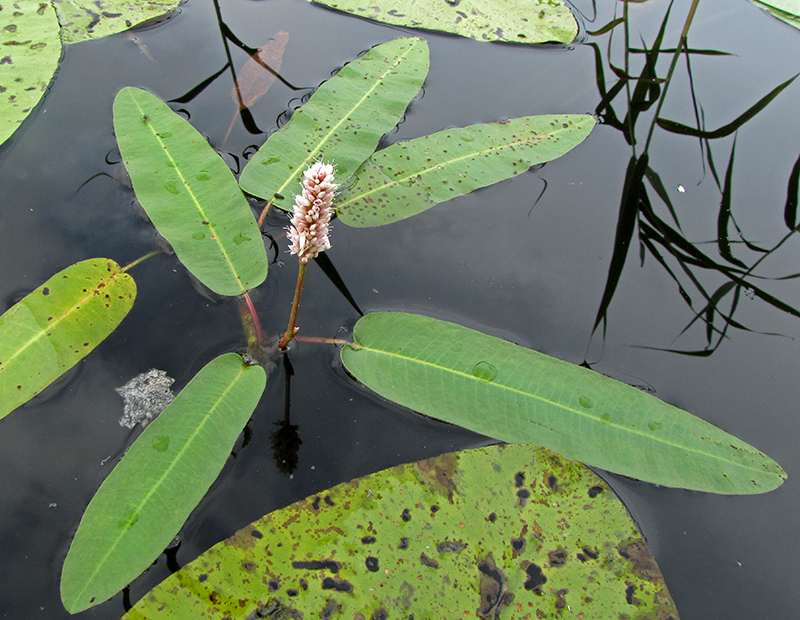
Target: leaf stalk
(291, 330)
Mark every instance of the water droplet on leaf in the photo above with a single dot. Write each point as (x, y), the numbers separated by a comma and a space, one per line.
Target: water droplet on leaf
(160, 443)
(605, 418)
(484, 371)
(198, 236)
(270, 160)
(240, 239)
(586, 402)
(654, 426)
(202, 176)
(171, 186)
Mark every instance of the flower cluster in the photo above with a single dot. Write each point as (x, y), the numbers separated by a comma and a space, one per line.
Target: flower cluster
(312, 213)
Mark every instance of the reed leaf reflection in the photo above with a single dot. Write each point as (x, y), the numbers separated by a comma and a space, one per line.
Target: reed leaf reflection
(647, 216)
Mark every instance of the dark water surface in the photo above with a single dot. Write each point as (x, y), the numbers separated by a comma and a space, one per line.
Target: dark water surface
(491, 260)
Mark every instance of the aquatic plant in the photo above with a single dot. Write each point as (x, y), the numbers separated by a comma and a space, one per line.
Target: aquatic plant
(437, 368)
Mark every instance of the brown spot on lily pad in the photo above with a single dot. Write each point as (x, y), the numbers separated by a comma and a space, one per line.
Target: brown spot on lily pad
(644, 564)
(439, 471)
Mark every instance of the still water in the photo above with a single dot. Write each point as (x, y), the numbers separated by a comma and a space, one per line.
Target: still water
(528, 260)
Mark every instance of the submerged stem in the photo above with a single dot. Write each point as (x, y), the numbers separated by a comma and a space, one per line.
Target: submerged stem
(291, 330)
(321, 340)
(256, 324)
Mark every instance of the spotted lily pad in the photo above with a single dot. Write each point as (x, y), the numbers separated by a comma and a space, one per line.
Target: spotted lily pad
(82, 20)
(29, 52)
(500, 532)
(511, 21)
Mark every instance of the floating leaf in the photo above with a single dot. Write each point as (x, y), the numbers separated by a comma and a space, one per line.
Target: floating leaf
(504, 531)
(51, 329)
(785, 10)
(410, 177)
(511, 21)
(30, 48)
(513, 394)
(342, 122)
(189, 193)
(148, 496)
(83, 20)
(254, 80)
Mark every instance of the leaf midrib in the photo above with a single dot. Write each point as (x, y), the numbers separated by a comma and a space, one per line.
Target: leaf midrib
(500, 386)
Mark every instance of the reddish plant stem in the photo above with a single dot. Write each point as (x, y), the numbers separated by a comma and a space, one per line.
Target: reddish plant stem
(291, 330)
(256, 324)
(264, 213)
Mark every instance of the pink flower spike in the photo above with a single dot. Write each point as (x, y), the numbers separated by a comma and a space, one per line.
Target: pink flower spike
(313, 208)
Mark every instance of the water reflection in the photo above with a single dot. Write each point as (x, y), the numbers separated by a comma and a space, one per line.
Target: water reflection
(228, 39)
(646, 213)
(285, 440)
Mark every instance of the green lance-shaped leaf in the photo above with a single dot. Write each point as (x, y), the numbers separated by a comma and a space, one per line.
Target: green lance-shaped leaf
(410, 177)
(189, 193)
(511, 21)
(51, 329)
(498, 532)
(83, 20)
(514, 394)
(342, 122)
(148, 496)
(30, 48)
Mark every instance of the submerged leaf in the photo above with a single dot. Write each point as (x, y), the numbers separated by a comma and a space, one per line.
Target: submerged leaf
(514, 394)
(83, 20)
(342, 122)
(189, 194)
(410, 177)
(145, 500)
(510, 21)
(498, 532)
(30, 48)
(51, 329)
(255, 79)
